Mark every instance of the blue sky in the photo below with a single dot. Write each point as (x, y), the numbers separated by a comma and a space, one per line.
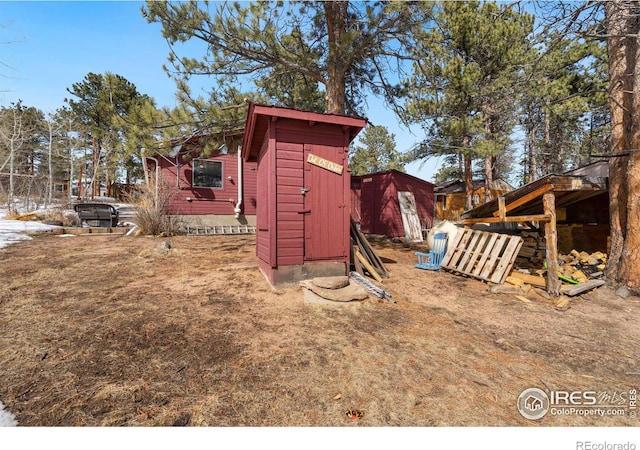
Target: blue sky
(47, 46)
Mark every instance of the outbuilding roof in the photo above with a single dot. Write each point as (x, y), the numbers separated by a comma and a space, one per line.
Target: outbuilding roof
(525, 203)
(258, 117)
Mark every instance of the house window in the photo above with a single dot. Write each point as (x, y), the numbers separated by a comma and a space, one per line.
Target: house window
(476, 199)
(443, 202)
(207, 173)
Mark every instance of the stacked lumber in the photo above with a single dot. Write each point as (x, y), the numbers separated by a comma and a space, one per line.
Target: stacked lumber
(365, 260)
(533, 251)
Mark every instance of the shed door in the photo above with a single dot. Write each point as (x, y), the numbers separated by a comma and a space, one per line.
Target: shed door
(324, 203)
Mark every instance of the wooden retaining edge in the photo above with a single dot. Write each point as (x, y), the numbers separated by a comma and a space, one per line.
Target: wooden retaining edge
(95, 231)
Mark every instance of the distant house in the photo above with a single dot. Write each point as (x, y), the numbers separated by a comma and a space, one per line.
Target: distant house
(598, 169)
(208, 189)
(376, 207)
(451, 197)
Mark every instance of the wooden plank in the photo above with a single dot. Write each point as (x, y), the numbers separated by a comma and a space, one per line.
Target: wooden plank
(551, 240)
(522, 298)
(525, 199)
(452, 247)
(368, 266)
(506, 260)
(485, 255)
(576, 289)
(356, 261)
(471, 255)
(367, 251)
(508, 219)
(502, 210)
(460, 243)
(493, 259)
(534, 280)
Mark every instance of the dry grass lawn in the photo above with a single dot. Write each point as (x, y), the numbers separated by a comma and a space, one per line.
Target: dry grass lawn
(110, 331)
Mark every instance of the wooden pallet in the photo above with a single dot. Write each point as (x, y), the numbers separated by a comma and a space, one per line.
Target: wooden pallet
(483, 255)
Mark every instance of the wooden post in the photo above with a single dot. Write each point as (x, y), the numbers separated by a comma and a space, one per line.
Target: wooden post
(502, 211)
(551, 237)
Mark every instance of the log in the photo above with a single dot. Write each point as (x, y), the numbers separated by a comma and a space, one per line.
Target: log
(582, 287)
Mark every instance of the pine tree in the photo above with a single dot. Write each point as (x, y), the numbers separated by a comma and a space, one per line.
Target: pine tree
(464, 87)
(348, 48)
(377, 153)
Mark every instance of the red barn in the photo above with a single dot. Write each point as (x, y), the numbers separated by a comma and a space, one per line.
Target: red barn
(216, 189)
(375, 204)
(302, 221)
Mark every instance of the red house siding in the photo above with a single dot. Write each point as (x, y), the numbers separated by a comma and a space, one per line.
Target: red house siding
(190, 200)
(304, 229)
(378, 209)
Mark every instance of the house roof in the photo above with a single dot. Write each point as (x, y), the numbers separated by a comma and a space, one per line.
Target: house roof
(395, 173)
(258, 117)
(527, 200)
(456, 186)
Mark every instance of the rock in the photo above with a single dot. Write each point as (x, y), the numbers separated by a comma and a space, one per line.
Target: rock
(331, 282)
(623, 292)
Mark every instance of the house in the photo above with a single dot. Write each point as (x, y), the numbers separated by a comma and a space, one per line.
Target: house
(302, 218)
(207, 189)
(451, 197)
(375, 204)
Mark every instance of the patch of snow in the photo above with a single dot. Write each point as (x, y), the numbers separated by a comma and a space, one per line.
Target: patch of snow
(6, 418)
(12, 230)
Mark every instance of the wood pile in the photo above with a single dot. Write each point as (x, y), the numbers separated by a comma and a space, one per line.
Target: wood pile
(533, 252)
(579, 271)
(364, 258)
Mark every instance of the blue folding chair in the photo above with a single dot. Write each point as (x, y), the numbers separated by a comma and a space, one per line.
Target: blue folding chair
(433, 259)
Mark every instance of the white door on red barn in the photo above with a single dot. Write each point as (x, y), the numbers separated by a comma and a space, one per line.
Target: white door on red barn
(410, 219)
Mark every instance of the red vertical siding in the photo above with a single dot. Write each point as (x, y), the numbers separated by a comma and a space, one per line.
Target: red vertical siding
(326, 203)
(388, 218)
(379, 205)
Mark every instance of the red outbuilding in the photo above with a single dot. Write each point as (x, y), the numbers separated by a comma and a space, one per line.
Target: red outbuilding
(375, 204)
(302, 218)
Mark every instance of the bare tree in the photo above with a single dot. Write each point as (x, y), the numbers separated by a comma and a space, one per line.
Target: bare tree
(14, 133)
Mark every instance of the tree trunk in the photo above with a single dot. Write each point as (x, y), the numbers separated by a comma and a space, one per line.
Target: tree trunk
(624, 172)
(336, 16)
(489, 162)
(468, 173)
(488, 177)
